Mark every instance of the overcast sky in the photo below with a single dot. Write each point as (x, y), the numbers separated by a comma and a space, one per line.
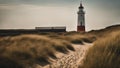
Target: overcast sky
(28, 14)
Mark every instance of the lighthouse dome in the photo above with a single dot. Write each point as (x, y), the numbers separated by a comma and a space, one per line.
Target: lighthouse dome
(81, 6)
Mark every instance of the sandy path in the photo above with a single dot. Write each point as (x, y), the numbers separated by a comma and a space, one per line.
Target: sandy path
(70, 60)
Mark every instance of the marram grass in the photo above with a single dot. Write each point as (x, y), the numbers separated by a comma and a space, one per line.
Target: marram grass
(105, 53)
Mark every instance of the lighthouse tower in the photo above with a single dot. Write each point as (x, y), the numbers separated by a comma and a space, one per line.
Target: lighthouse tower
(81, 19)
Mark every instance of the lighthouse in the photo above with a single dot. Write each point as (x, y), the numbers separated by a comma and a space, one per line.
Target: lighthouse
(81, 19)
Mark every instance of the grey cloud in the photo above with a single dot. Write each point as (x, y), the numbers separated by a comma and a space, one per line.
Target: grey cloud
(37, 2)
(102, 3)
(108, 6)
(105, 3)
(4, 13)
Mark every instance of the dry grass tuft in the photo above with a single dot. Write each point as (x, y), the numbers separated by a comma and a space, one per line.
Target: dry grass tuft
(105, 53)
(27, 50)
(79, 39)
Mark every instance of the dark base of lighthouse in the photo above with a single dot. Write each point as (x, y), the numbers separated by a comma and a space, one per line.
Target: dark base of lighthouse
(81, 28)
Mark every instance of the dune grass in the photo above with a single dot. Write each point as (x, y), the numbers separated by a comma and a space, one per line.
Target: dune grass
(75, 38)
(79, 39)
(26, 50)
(105, 53)
(72, 37)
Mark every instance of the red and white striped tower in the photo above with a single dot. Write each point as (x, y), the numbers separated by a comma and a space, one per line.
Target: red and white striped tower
(81, 19)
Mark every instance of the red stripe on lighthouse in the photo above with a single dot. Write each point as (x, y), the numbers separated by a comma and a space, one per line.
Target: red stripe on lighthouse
(81, 28)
